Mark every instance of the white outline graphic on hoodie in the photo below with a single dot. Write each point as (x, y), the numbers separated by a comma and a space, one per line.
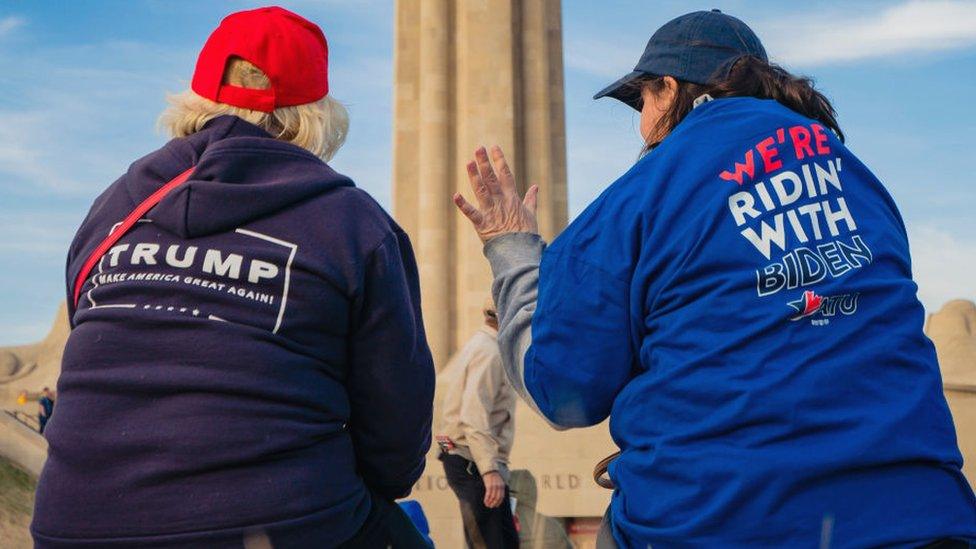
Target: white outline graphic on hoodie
(292, 250)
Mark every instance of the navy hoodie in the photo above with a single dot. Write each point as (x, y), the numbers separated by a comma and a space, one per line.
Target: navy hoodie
(250, 355)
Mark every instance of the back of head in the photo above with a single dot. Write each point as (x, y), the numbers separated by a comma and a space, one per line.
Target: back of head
(288, 98)
(747, 77)
(709, 52)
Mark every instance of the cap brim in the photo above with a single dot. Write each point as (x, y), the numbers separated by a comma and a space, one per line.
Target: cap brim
(624, 90)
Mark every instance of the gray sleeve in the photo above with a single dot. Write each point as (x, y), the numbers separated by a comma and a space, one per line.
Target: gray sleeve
(515, 259)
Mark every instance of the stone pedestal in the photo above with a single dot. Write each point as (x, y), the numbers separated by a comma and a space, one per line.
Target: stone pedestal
(953, 330)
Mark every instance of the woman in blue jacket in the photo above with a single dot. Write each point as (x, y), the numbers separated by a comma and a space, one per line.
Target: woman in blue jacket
(740, 304)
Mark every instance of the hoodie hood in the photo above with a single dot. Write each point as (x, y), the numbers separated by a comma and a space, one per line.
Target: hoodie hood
(241, 174)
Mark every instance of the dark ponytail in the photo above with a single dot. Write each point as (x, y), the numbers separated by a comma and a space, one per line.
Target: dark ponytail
(749, 77)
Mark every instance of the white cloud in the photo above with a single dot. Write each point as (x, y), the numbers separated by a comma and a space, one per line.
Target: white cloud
(10, 23)
(907, 27)
(944, 266)
(811, 38)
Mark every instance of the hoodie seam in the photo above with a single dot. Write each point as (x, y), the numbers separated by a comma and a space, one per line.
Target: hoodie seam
(235, 122)
(359, 291)
(369, 258)
(245, 149)
(168, 148)
(186, 210)
(172, 154)
(289, 150)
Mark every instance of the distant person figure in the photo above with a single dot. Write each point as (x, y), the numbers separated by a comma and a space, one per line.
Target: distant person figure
(477, 429)
(740, 304)
(45, 406)
(538, 531)
(248, 360)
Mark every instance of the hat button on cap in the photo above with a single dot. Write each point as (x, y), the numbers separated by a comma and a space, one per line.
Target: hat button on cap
(716, 10)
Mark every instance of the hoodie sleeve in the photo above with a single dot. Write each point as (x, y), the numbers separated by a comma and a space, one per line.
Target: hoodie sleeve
(564, 329)
(391, 376)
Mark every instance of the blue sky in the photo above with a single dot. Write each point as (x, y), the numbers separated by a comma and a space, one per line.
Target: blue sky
(85, 81)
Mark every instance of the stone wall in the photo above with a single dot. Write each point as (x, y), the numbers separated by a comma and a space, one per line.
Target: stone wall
(953, 330)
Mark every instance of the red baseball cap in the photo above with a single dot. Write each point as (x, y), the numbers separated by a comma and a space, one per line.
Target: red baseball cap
(290, 49)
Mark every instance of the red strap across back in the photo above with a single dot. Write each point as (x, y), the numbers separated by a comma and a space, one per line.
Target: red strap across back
(124, 227)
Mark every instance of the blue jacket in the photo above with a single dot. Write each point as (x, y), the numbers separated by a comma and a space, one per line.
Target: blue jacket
(741, 304)
(251, 355)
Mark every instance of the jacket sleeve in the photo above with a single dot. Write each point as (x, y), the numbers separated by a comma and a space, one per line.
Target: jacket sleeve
(391, 373)
(481, 387)
(564, 330)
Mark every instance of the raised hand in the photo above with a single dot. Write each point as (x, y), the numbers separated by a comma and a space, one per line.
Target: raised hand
(500, 208)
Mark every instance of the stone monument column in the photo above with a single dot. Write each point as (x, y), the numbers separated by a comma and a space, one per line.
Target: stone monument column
(470, 73)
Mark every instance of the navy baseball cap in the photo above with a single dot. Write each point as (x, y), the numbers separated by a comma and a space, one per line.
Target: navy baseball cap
(695, 47)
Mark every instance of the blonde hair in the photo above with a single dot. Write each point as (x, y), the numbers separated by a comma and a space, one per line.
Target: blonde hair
(319, 127)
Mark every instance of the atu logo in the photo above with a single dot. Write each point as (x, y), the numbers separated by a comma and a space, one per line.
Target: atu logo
(810, 304)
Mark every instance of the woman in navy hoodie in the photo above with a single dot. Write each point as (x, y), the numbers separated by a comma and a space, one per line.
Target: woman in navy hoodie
(740, 304)
(247, 362)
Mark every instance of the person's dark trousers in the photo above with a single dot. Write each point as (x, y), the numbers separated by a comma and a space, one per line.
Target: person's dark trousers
(386, 526)
(484, 528)
(42, 421)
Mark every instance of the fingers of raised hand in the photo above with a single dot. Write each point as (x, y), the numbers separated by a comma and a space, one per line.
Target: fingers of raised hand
(506, 178)
(468, 210)
(478, 186)
(531, 198)
(486, 171)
